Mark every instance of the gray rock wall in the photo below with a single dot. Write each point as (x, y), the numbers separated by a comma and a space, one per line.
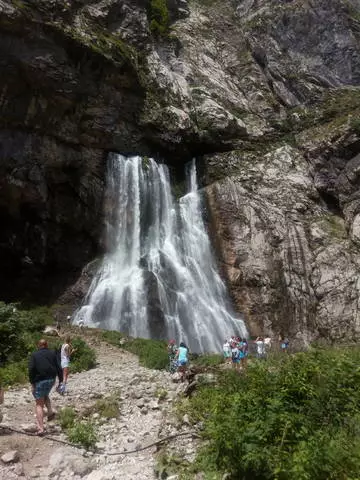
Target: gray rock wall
(273, 83)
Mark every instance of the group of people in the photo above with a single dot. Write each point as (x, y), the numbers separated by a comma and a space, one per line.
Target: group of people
(178, 358)
(44, 366)
(236, 349)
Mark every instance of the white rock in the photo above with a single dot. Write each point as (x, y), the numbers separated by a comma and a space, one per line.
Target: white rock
(10, 457)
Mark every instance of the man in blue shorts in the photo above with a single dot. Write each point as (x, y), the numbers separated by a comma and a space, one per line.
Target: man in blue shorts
(44, 367)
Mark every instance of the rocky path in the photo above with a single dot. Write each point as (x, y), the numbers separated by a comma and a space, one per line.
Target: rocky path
(143, 415)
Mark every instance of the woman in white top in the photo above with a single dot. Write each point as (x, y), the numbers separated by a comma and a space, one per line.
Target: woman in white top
(66, 351)
(260, 347)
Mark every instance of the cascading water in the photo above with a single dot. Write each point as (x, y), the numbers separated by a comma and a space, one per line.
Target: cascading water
(159, 278)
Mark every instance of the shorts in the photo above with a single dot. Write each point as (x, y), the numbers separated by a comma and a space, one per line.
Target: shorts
(182, 363)
(236, 360)
(65, 363)
(42, 388)
(227, 354)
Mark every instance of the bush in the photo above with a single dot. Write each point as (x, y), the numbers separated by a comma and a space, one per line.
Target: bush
(84, 358)
(158, 16)
(83, 433)
(296, 417)
(67, 418)
(20, 331)
(16, 372)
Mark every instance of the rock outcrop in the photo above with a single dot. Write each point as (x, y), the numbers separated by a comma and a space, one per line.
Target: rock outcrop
(266, 89)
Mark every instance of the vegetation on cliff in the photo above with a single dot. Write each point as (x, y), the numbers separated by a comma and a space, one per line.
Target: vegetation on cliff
(290, 417)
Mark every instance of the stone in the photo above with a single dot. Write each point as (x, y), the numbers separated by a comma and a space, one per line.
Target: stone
(18, 469)
(10, 457)
(29, 428)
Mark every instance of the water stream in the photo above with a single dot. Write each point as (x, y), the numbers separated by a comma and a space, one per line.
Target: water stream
(159, 278)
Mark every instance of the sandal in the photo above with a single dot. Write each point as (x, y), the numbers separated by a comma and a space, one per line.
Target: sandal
(40, 434)
(51, 417)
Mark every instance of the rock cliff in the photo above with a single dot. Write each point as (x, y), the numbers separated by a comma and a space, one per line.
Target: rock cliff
(264, 92)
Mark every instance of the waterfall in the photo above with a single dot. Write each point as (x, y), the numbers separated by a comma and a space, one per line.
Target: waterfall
(159, 278)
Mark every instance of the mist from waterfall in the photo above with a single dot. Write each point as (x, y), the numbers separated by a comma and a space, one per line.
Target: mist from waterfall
(159, 278)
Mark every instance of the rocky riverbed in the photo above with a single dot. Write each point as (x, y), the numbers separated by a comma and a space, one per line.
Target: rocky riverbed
(146, 404)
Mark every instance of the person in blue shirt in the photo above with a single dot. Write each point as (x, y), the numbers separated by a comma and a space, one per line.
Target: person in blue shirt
(182, 360)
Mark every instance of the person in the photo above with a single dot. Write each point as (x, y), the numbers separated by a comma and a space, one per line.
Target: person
(66, 351)
(235, 355)
(227, 351)
(245, 352)
(1, 399)
(43, 370)
(284, 344)
(260, 347)
(172, 350)
(182, 360)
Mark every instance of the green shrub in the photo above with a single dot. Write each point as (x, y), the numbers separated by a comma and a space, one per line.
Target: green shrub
(295, 417)
(158, 16)
(83, 358)
(66, 418)
(15, 372)
(83, 433)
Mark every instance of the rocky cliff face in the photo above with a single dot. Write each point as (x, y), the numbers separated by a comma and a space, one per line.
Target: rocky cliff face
(267, 90)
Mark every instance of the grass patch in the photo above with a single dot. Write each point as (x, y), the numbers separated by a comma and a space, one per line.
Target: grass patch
(66, 417)
(291, 417)
(151, 353)
(211, 360)
(79, 432)
(108, 407)
(83, 433)
(161, 393)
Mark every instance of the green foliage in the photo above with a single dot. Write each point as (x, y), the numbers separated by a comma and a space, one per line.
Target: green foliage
(161, 393)
(15, 372)
(83, 433)
(66, 417)
(158, 15)
(83, 358)
(151, 353)
(295, 416)
(20, 330)
(211, 360)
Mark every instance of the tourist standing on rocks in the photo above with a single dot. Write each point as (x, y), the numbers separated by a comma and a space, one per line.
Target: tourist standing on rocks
(172, 350)
(66, 351)
(43, 370)
(182, 360)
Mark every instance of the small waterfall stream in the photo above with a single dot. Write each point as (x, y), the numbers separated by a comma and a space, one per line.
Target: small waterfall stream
(159, 278)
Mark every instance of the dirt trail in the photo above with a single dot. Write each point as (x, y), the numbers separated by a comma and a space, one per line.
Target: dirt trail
(139, 422)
